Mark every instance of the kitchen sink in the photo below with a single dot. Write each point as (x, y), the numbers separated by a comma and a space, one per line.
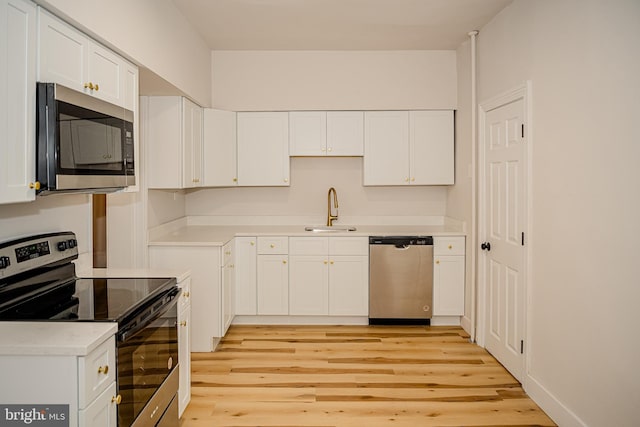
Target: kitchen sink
(327, 229)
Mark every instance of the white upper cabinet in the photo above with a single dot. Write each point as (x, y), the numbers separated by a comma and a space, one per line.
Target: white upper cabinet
(263, 149)
(17, 101)
(175, 143)
(409, 148)
(345, 133)
(386, 148)
(219, 156)
(70, 58)
(307, 133)
(331, 133)
(432, 147)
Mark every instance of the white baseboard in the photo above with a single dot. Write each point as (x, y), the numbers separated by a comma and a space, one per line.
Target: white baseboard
(300, 320)
(559, 413)
(445, 321)
(465, 323)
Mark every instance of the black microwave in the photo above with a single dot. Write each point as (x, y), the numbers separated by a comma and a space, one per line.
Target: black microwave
(83, 144)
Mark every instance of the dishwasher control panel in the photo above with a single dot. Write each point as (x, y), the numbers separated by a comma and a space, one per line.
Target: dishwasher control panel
(401, 240)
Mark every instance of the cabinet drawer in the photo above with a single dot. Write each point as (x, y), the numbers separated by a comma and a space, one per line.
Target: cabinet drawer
(273, 245)
(309, 245)
(448, 246)
(96, 372)
(102, 411)
(349, 246)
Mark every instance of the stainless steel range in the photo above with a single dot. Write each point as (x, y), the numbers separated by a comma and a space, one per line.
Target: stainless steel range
(38, 282)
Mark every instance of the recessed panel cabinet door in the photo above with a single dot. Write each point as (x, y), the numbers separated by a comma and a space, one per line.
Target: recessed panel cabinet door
(431, 155)
(263, 149)
(273, 284)
(219, 149)
(63, 53)
(386, 148)
(106, 71)
(17, 101)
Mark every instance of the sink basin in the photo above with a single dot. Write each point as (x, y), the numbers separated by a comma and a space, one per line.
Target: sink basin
(327, 229)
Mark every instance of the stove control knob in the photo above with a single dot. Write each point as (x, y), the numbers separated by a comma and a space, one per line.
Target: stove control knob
(4, 262)
(72, 243)
(62, 246)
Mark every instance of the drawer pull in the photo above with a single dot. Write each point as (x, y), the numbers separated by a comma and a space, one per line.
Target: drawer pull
(284, 261)
(272, 246)
(103, 369)
(438, 262)
(253, 243)
(116, 399)
(450, 246)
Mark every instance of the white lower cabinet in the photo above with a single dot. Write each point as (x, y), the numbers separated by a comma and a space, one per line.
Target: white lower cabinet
(448, 276)
(184, 345)
(329, 276)
(246, 297)
(228, 286)
(273, 284)
(102, 411)
(206, 293)
(86, 383)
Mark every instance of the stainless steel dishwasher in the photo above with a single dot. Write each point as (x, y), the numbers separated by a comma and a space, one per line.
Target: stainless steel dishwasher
(400, 279)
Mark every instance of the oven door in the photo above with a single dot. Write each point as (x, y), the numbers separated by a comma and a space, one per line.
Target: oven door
(148, 360)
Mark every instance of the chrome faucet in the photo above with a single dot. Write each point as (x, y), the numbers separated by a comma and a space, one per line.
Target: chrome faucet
(331, 218)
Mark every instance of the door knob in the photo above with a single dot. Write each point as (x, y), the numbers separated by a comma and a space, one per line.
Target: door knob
(486, 246)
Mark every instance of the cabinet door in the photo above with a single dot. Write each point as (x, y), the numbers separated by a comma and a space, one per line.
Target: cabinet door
(63, 53)
(130, 101)
(17, 101)
(184, 358)
(191, 144)
(263, 149)
(349, 286)
(106, 71)
(228, 288)
(219, 158)
(273, 284)
(246, 275)
(345, 133)
(164, 152)
(102, 411)
(307, 133)
(386, 148)
(308, 285)
(204, 263)
(448, 286)
(431, 147)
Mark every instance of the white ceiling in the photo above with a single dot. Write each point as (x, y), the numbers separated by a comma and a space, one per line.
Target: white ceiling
(337, 24)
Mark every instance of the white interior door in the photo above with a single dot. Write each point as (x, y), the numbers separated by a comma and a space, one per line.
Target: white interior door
(503, 224)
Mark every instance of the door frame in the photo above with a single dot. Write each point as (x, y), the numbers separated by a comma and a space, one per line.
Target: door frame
(524, 92)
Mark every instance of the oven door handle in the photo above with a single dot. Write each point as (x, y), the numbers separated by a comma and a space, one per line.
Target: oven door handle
(149, 315)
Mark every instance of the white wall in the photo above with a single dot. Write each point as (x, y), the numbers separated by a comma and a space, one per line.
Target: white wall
(50, 214)
(153, 33)
(583, 59)
(333, 80)
(311, 178)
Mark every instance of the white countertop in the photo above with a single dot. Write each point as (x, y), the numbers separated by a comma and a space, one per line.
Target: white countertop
(214, 235)
(58, 338)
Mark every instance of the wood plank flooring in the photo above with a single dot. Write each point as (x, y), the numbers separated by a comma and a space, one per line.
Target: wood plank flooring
(354, 376)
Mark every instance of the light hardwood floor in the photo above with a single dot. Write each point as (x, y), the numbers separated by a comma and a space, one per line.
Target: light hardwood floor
(344, 376)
